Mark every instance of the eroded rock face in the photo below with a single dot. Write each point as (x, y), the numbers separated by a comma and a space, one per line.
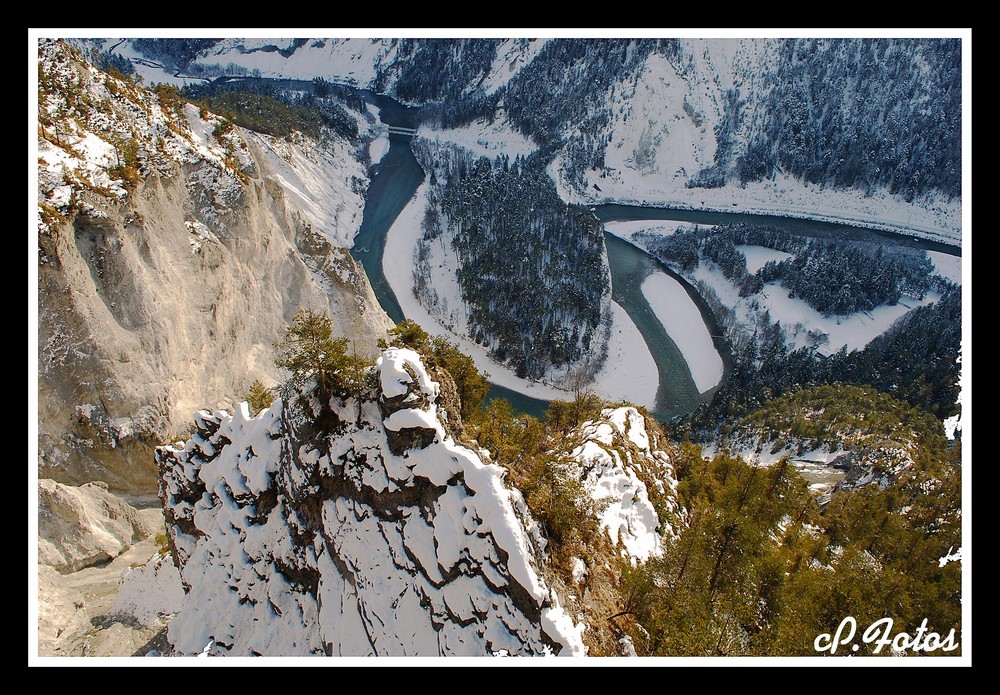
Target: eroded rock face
(165, 294)
(82, 526)
(300, 531)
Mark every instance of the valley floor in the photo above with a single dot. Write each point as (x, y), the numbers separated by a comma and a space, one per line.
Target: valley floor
(629, 372)
(73, 608)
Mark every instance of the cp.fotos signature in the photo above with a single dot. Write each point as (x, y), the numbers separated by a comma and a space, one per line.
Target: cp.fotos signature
(879, 634)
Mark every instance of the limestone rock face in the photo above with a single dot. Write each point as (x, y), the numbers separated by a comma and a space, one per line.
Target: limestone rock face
(171, 256)
(310, 530)
(82, 526)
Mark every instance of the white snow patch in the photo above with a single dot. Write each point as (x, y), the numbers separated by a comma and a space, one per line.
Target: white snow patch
(950, 557)
(486, 139)
(629, 373)
(951, 424)
(759, 256)
(662, 131)
(683, 322)
(947, 266)
(627, 515)
(351, 60)
(392, 364)
(148, 592)
(412, 417)
(628, 647)
(378, 148)
(579, 570)
(854, 331)
(556, 621)
(799, 319)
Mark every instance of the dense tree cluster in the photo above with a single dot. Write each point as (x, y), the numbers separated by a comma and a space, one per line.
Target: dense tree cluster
(844, 416)
(566, 82)
(530, 267)
(917, 359)
(270, 106)
(835, 277)
(857, 113)
(310, 352)
(762, 570)
(441, 69)
(843, 278)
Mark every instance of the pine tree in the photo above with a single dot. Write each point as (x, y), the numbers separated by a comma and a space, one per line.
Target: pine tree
(258, 397)
(308, 350)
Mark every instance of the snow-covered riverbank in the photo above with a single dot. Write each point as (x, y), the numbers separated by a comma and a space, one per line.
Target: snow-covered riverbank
(628, 374)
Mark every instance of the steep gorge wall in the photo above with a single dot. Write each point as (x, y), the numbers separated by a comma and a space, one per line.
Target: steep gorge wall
(157, 300)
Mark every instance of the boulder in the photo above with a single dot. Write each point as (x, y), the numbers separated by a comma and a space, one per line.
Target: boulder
(85, 525)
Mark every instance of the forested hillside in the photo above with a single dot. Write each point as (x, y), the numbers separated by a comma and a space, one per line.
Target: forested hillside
(916, 358)
(859, 113)
(863, 114)
(835, 277)
(530, 268)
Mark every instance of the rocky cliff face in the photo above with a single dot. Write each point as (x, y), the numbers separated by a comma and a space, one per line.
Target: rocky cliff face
(170, 259)
(309, 530)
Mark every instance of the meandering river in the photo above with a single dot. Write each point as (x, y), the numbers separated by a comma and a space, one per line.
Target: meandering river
(395, 179)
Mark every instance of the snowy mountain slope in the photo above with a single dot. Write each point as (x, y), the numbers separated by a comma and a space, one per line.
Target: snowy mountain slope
(324, 182)
(662, 126)
(167, 246)
(511, 56)
(352, 529)
(661, 135)
(356, 61)
(654, 131)
(303, 532)
(655, 128)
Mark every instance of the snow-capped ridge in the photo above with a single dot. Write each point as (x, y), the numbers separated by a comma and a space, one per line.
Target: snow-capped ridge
(306, 534)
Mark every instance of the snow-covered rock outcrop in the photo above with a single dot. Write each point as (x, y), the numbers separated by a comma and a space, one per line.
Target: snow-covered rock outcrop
(302, 532)
(618, 468)
(614, 461)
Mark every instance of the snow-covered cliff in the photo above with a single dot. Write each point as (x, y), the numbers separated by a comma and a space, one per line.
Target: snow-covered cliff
(302, 532)
(311, 529)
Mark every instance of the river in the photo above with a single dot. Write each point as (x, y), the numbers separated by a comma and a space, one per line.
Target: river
(395, 179)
